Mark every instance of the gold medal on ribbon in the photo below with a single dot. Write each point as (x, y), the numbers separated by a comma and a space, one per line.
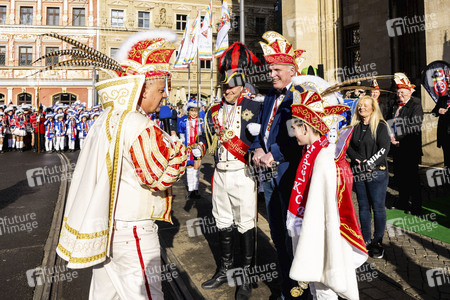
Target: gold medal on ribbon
(229, 134)
(299, 290)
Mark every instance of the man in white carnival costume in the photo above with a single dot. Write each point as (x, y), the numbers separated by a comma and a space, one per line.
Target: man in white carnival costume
(121, 182)
(326, 237)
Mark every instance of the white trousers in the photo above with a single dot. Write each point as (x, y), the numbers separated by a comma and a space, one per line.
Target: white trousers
(192, 177)
(234, 199)
(71, 144)
(59, 143)
(81, 143)
(48, 144)
(135, 244)
(320, 291)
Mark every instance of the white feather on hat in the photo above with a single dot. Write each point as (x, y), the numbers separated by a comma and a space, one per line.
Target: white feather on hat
(122, 53)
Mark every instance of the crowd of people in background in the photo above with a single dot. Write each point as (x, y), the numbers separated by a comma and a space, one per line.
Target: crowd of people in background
(56, 128)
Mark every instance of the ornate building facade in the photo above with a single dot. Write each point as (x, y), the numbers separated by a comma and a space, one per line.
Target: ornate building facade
(104, 25)
(22, 24)
(120, 18)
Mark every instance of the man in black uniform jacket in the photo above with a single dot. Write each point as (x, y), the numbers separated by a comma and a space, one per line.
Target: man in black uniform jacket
(407, 139)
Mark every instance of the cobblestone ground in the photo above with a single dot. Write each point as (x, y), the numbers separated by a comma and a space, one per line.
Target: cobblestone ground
(408, 256)
(400, 274)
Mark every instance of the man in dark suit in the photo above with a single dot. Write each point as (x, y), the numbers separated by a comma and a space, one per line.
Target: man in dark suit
(274, 144)
(441, 110)
(407, 138)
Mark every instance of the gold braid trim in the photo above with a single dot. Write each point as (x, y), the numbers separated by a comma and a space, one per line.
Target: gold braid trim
(83, 235)
(211, 139)
(80, 260)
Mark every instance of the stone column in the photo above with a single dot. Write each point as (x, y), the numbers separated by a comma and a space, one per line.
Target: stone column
(10, 95)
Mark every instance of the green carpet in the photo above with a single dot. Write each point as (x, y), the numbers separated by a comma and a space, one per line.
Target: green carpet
(434, 221)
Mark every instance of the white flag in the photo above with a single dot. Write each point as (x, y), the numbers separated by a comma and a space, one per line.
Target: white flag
(182, 50)
(205, 38)
(193, 43)
(222, 32)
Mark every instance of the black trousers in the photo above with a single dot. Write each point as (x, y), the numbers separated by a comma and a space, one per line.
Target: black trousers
(41, 141)
(407, 173)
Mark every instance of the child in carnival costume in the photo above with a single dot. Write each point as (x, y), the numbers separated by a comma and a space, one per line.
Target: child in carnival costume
(94, 117)
(10, 123)
(49, 132)
(71, 131)
(83, 128)
(21, 129)
(190, 128)
(2, 130)
(60, 132)
(326, 237)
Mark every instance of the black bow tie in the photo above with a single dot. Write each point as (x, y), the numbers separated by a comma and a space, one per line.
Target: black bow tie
(281, 92)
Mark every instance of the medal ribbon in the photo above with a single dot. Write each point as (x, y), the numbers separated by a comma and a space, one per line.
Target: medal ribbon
(275, 109)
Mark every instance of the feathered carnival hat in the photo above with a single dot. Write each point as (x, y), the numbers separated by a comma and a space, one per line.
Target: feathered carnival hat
(192, 104)
(280, 51)
(234, 63)
(144, 55)
(402, 82)
(375, 84)
(313, 104)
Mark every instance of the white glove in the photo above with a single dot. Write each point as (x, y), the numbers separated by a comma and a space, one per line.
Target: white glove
(174, 138)
(196, 152)
(254, 128)
(182, 138)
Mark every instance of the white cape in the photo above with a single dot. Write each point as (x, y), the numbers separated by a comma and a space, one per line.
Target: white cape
(321, 254)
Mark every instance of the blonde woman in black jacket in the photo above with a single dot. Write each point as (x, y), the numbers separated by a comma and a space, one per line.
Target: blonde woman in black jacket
(368, 150)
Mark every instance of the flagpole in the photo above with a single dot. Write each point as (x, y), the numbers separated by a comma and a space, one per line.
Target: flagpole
(199, 71)
(38, 118)
(212, 64)
(212, 58)
(189, 82)
(242, 20)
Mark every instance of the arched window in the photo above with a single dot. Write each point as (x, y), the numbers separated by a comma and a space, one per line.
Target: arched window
(2, 99)
(23, 98)
(64, 98)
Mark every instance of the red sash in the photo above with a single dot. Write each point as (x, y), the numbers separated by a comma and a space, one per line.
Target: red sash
(300, 190)
(229, 139)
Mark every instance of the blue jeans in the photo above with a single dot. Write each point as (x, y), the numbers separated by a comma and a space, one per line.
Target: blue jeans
(371, 192)
(277, 207)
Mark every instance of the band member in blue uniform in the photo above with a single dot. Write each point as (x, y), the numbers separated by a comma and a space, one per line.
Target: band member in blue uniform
(190, 127)
(60, 132)
(71, 130)
(49, 132)
(83, 129)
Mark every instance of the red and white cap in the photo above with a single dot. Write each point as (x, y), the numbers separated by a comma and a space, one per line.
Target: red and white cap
(402, 82)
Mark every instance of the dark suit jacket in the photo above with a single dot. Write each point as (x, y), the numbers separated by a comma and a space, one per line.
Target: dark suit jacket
(409, 131)
(443, 130)
(284, 148)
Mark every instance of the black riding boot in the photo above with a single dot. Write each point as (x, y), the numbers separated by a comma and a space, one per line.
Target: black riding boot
(244, 291)
(226, 259)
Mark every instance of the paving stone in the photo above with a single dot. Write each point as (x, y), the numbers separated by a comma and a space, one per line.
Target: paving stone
(375, 293)
(398, 295)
